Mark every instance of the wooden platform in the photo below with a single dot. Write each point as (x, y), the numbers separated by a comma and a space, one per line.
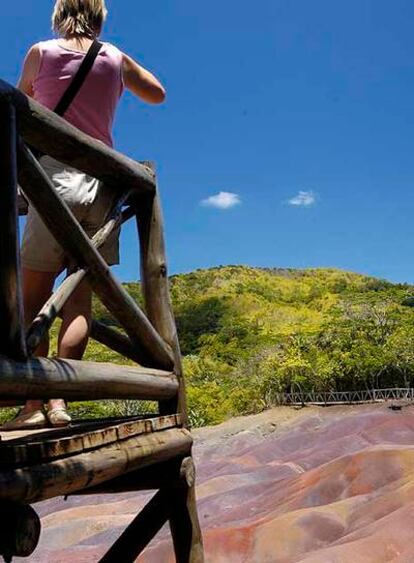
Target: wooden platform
(39, 464)
(151, 452)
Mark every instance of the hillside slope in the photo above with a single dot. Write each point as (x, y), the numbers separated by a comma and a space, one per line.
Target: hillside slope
(249, 333)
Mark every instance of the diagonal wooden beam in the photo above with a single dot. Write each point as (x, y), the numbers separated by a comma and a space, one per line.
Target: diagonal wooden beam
(141, 531)
(62, 224)
(51, 309)
(12, 339)
(119, 342)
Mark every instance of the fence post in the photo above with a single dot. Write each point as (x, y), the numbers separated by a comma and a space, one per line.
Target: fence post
(184, 524)
(155, 287)
(12, 342)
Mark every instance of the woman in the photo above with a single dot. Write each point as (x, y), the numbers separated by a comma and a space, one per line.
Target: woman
(48, 69)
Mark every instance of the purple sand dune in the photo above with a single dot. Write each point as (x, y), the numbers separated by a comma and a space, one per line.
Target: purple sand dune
(316, 486)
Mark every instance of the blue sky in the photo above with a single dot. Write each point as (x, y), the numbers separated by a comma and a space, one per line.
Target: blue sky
(296, 117)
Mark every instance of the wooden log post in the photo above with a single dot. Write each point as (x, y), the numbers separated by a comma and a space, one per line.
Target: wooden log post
(184, 523)
(19, 530)
(12, 341)
(154, 280)
(64, 227)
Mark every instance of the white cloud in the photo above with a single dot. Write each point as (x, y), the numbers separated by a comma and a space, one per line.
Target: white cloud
(222, 200)
(304, 199)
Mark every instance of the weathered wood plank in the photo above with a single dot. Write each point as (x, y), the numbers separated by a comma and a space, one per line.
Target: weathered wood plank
(155, 287)
(65, 476)
(82, 437)
(141, 530)
(168, 474)
(53, 135)
(74, 380)
(65, 228)
(12, 339)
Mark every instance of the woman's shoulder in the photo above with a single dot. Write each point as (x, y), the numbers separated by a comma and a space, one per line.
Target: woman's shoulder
(112, 49)
(46, 44)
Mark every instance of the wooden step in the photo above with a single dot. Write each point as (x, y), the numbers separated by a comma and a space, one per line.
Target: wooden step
(29, 447)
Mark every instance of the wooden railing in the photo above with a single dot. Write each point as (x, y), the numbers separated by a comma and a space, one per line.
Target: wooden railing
(149, 338)
(345, 397)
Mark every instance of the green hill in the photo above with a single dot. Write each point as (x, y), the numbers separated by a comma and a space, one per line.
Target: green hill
(248, 333)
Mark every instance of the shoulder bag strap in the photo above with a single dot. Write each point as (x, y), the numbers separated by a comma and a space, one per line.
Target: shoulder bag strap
(78, 79)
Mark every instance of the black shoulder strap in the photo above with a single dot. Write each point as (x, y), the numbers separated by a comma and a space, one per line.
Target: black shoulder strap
(78, 79)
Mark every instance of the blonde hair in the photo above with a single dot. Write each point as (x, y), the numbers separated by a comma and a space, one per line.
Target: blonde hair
(77, 18)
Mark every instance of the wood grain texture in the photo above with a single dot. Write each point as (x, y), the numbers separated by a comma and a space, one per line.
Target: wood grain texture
(170, 473)
(184, 523)
(74, 380)
(66, 230)
(36, 447)
(54, 136)
(155, 287)
(65, 476)
(12, 339)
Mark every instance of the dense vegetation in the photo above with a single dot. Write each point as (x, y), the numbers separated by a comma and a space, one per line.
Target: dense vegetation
(248, 333)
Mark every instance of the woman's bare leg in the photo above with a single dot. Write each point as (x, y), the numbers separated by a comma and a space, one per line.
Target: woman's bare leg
(74, 332)
(37, 288)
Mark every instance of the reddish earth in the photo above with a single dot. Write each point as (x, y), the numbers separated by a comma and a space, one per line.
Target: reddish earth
(315, 485)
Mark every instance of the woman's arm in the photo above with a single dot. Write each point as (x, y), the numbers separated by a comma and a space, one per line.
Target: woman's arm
(141, 82)
(31, 67)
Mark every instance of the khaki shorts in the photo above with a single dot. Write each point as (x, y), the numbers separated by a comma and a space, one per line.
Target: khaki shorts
(89, 200)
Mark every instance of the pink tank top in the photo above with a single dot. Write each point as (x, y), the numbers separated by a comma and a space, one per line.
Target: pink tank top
(93, 109)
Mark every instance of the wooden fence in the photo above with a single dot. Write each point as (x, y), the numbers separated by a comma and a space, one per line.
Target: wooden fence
(345, 397)
(95, 456)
